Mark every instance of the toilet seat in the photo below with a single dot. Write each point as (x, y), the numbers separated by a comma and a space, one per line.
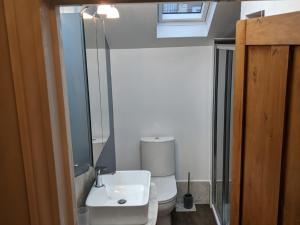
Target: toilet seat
(166, 188)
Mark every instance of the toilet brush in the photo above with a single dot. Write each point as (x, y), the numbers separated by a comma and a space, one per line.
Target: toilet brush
(188, 197)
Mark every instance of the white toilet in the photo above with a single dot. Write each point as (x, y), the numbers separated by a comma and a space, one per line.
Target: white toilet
(158, 156)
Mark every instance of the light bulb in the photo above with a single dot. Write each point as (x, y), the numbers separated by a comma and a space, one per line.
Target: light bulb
(103, 9)
(113, 13)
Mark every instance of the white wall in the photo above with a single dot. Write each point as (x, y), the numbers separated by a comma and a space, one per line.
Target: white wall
(94, 89)
(164, 91)
(98, 93)
(270, 7)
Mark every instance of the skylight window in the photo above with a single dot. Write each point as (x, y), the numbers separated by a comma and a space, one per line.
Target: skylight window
(183, 12)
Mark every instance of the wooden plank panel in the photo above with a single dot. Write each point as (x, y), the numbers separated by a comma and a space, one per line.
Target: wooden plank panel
(264, 122)
(290, 204)
(274, 30)
(238, 122)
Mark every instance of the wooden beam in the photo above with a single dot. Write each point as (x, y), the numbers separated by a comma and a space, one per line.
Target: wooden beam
(238, 117)
(273, 30)
(290, 184)
(266, 79)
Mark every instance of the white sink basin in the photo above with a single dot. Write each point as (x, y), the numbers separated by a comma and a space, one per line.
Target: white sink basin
(132, 186)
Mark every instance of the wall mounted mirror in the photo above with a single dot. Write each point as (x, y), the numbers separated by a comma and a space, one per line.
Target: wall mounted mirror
(71, 28)
(95, 50)
(87, 71)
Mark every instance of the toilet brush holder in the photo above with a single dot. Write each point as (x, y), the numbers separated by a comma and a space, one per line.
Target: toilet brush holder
(188, 197)
(188, 201)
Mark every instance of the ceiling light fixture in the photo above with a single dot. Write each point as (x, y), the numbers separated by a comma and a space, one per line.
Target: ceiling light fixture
(103, 9)
(111, 12)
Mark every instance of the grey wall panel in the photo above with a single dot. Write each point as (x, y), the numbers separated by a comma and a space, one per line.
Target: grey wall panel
(108, 155)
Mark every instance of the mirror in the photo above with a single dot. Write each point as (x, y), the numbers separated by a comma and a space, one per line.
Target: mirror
(97, 74)
(71, 29)
(88, 85)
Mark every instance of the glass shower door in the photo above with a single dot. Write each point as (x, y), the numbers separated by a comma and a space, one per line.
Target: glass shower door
(219, 132)
(222, 132)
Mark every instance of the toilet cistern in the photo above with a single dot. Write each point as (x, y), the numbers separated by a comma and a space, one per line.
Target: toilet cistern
(158, 157)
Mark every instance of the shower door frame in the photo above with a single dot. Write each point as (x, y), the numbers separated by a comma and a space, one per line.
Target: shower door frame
(222, 218)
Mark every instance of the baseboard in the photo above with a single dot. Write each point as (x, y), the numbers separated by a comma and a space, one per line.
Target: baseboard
(195, 180)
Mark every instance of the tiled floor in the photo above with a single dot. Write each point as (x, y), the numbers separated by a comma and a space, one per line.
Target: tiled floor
(203, 216)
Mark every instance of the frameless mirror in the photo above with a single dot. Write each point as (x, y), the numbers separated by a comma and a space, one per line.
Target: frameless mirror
(87, 69)
(71, 30)
(94, 35)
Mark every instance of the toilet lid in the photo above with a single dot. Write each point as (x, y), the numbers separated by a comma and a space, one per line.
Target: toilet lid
(166, 188)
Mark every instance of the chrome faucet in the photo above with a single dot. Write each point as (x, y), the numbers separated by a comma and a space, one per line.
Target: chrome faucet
(99, 171)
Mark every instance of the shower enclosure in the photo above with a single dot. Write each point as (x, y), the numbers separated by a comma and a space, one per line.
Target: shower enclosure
(222, 129)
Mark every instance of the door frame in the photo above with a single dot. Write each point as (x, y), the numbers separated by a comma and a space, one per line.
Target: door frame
(42, 109)
(34, 46)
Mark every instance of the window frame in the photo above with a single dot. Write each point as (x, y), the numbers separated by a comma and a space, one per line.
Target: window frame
(204, 13)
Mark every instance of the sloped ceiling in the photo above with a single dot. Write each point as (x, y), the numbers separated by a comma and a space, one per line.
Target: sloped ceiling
(136, 27)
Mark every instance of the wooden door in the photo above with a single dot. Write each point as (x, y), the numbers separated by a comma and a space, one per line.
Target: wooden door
(266, 157)
(12, 192)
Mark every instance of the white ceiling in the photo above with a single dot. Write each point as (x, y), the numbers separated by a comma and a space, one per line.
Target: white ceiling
(136, 27)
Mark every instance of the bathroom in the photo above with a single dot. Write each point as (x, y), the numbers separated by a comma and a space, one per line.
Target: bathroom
(153, 92)
(150, 113)
(144, 91)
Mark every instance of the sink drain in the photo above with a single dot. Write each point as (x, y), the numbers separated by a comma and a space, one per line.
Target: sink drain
(122, 201)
